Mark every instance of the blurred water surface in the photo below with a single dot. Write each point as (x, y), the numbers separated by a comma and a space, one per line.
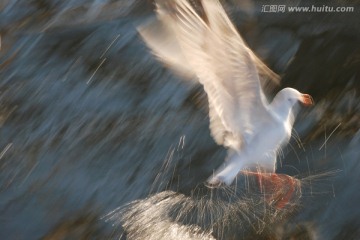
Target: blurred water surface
(88, 116)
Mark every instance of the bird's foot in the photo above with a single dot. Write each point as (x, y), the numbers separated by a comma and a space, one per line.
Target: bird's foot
(279, 189)
(216, 182)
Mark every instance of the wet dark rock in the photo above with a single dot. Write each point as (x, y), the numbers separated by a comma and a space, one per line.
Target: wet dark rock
(88, 117)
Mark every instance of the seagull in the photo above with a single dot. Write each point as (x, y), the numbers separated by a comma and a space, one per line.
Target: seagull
(205, 45)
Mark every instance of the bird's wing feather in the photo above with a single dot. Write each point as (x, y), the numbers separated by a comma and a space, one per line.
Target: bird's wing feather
(220, 23)
(224, 65)
(218, 131)
(160, 37)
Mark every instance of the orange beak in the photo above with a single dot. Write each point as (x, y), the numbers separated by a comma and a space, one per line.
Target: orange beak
(307, 100)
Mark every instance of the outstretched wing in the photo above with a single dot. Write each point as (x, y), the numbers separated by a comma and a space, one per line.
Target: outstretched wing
(159, 35)
(224, 65)
(220, 23)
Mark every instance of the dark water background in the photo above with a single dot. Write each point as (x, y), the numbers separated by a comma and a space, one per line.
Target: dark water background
(88, 116)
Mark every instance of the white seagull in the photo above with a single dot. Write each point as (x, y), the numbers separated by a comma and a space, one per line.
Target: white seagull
(207, 45)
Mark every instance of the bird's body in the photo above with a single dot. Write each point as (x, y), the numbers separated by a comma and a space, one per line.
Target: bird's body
(241, 119)
(260, 153)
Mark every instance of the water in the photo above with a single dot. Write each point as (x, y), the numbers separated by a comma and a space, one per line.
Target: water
(88, 117)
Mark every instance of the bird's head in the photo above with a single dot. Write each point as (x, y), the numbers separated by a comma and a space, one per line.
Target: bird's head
(292, 96)
(285, 101)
